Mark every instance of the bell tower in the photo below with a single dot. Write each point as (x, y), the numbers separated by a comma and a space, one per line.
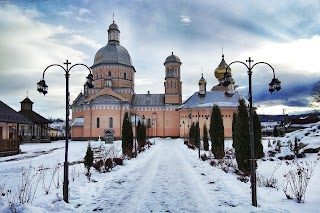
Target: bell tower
(173, 84)
(202, 87)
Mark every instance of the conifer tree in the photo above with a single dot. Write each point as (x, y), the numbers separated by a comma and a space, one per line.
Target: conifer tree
(258, 148)
(192, 133)
(205, 138)
(234, 122)
(196, 135)
(141, 135)
(127, 135)
(88, 159)
(276, 131)
(242, 138)
(217, 133)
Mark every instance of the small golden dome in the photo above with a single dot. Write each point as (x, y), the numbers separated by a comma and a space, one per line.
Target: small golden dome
(202, 80)
(221, 69)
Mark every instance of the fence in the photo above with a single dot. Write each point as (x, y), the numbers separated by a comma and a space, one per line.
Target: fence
(9, 147)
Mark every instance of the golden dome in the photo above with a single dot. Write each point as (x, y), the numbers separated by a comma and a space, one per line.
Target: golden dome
(221, 69)
(202, 80)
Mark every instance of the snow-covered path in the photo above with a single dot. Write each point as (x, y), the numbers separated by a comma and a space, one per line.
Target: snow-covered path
(169, 178)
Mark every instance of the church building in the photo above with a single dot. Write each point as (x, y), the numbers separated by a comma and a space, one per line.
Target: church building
(99, 111)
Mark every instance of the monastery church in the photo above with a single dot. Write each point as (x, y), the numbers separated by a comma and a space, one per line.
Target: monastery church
(99, 111)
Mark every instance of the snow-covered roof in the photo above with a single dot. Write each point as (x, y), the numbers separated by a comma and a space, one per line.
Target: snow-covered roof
(78, 121)
(212, 98)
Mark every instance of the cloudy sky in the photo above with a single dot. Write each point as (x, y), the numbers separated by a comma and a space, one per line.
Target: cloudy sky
(285, 34)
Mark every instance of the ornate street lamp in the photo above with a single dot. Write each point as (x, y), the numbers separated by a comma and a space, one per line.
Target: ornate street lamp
(198, 130)
(274, 85)
(43, 88)
(184, 129)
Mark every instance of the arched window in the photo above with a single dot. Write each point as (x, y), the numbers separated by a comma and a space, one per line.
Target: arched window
(149, 123)
(125, 75)
(109, 73)
(171, 84)
(98, 122)
(111, 122)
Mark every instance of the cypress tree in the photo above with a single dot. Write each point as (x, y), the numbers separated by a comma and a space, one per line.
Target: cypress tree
(192, 133)
(205, 138)
(144, 135)
(196, 135)
(242, 138)
(88, 159)
(141, 135)
(258, 148)
(217, 133)
(127, 135)
(234, 122)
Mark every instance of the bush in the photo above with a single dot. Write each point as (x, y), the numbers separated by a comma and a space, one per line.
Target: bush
(311, 150)
(297, 180)
(103, 165)
(118, 161)
(88, 159)
(204, 157)
(269, 182)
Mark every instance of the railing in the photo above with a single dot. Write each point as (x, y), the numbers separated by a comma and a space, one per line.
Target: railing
(9, 145)
(35, 139)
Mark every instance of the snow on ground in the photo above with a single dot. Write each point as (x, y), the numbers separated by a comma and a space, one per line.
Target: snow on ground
(168, 177)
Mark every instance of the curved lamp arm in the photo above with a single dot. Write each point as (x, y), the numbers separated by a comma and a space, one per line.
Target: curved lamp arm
(266, 64)
(52, 66)
(82, 65)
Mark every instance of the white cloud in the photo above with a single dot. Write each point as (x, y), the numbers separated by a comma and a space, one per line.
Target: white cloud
(295, 56)
(185, 19)
(25, 54)
(80, 40)
(279, 109)
(84, 11)
(65, 13)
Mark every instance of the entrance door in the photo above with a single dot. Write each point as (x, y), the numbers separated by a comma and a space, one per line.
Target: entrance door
(108, 136)
(0, 132)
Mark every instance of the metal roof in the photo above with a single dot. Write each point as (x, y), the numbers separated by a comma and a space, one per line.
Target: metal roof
(106, 99)
(78, 121)
(79, 100)
(113, 26)
(27, 100)
(172, 58)
(148, 100)
(112, 54)
(9, 115)
(34, 117)
(212, 98)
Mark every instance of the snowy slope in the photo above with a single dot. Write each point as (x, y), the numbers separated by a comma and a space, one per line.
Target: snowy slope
(168, 177)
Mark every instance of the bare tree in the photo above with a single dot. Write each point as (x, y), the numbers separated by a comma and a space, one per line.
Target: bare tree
(315, 93)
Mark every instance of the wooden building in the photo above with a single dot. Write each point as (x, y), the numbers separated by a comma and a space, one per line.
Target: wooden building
(36, 132)
(10, 122)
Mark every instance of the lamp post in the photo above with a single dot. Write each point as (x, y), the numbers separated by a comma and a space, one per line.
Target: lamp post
(190, 123)
(198, 129)
(154, 133)
(184, 129)
(274, 85)
(43, 88)
(135, 129)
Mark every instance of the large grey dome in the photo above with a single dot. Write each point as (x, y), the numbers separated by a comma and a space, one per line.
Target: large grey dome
(172, 58)
(112, 54)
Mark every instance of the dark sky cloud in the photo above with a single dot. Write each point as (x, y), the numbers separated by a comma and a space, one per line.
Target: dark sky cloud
(283, 33)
